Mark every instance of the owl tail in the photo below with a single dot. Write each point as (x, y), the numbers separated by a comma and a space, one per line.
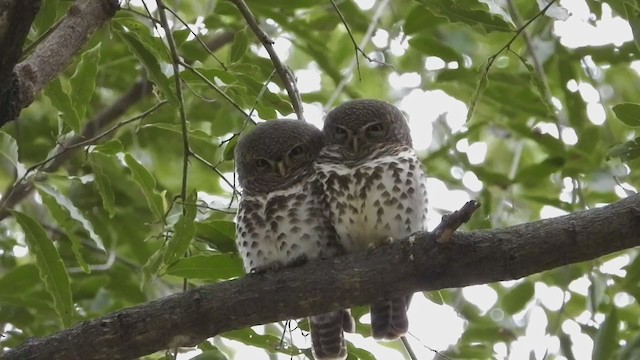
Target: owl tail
(327, 334)
(389, 318)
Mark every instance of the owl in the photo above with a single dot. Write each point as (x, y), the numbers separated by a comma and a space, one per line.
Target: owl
(282, 219)
(375, 189)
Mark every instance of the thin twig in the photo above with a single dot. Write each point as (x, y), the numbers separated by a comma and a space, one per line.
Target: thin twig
(175, 61)
(66, 148)
(261, 93)
(451, 222)
(380, 10)
(197, 38)
(537, 66)
(405, 342)
(215, 169)
(482, 83)
(215, 88)
(356, 48)
(284, 73)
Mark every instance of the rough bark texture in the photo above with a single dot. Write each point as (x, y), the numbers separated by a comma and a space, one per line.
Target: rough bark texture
(16, 17)
(325, 285)
(57, 51)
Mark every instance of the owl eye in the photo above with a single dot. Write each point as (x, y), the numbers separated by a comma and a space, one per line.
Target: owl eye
(261, 163)
(296, 151)
(375, 130)
(341, 133)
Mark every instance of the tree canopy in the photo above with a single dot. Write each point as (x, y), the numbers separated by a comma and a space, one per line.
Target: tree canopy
(119, 121)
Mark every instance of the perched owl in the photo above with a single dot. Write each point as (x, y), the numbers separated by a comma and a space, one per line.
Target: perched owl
(282, 219)
(375, 189)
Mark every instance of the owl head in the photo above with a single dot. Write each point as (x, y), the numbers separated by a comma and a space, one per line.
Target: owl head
(359, 127)
(277, 154)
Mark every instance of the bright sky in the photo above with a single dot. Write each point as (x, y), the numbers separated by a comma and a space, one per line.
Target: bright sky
(437, 327)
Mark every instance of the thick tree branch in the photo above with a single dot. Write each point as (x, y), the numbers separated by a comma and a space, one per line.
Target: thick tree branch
(16, 17)
(57, 51)
(400, 268)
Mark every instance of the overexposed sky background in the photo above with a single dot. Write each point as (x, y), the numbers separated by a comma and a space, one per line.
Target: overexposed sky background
(437, 327)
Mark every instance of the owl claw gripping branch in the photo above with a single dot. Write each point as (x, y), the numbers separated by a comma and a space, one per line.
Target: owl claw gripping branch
(311, 194)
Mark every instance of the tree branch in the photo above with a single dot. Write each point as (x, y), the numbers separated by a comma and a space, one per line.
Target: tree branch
(57, 51)
(16, 17)
(419, 264)
(284, 73)
(138, 91)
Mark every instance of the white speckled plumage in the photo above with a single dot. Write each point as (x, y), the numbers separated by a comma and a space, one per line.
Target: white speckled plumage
(375, 188)
(282, 219)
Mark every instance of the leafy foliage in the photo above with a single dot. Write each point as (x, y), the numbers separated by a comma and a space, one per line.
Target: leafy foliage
(126, 223)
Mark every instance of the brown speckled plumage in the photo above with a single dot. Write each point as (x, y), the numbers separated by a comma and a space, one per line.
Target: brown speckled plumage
(282, 218)
(375, 188)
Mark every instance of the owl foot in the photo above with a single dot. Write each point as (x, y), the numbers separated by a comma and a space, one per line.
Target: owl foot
(262, 269)
(298, 261)
(380, 242)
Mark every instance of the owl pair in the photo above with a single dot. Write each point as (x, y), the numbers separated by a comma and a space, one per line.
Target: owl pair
(309, 193)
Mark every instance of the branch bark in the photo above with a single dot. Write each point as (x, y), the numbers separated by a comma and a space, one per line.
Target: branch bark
(16, 17)
(57, 51)
(136, 93)
(320, 286)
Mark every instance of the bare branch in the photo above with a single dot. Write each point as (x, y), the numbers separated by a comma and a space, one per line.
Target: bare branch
(483, 78)
(357, 48)
(380, 10)
(284, 73)
(403, 267)
(175, 62)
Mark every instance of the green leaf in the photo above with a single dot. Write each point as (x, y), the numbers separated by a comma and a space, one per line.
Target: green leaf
(230, 148)
(220, 234)
(151, 64)
(627, 151)
(517, 297)
(606, 343)
(538, 172)
(183, 231)
(61, 101)
(103, 184)
(211, 267)
(83, 81)
(9, 151)
(434, 296)
(239, 46)
(427, 44)
(358, 353)
(472, 13)
(50, 265)
(70, 220)
(267, 342)
(214, 354)
(628, 113)
(147, 183)
(110, 147)
(143, 33)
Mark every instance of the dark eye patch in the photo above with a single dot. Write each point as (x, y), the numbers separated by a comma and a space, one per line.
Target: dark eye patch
(261, 163)
(298, 150)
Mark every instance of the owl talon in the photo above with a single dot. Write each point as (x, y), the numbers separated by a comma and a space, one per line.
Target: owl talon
(380, 242)
(259, 270)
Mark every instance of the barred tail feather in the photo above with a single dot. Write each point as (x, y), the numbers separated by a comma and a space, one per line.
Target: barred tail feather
(327, 334)
(389, 318)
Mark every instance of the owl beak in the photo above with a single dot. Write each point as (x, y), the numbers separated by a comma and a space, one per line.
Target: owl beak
(282, 168)
(354, 144)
